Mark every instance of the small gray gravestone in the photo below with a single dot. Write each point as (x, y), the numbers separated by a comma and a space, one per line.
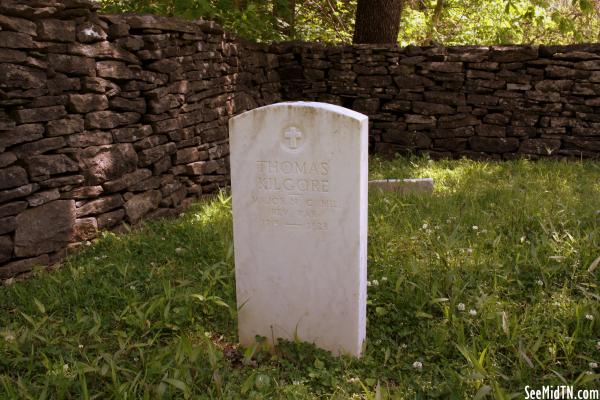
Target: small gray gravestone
(299, 186)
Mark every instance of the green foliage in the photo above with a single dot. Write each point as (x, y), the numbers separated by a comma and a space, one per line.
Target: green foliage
(487, 22)
(330, 21)
(251, 19)
(460, 22)
(152, 314)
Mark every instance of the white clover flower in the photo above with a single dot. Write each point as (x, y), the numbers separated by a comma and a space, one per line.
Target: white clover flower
(80, 346)
(469, 251)
(136, 359)
(461, 306)
(418, 365)
(384, 279)
(65, 368)
(131, 287)
(473, 312)
(425, 226)
(589, 317)
(403, 346)
(475, 227)
(523, 238)
(368, 283)
(375, 282)
(179, 250)
(9, 337)
(539, 282)
(593, 365)
(484, 231)
(351, 380)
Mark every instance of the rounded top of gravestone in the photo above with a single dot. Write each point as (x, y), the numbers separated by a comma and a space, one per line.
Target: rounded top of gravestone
(307, 105)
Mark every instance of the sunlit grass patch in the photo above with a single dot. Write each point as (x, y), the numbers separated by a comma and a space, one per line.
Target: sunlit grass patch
(484, 287)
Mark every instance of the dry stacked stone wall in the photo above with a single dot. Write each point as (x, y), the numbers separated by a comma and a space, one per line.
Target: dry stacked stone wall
(107, 119)
(480, 102)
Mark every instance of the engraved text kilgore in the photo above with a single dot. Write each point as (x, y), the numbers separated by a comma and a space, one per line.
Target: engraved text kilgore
(294, 193)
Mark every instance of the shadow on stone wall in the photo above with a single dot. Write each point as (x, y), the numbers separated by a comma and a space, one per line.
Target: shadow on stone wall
(111, 119)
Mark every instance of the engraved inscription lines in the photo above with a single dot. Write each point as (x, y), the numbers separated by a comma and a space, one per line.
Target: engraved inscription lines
(294, 193)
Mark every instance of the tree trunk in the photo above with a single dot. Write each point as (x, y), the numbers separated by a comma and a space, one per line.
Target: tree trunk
(241, 4)
(377, 21)
(437, 12)
(286, 13)
(435, 20)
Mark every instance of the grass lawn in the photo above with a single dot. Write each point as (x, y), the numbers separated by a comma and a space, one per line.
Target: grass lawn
(483, 288)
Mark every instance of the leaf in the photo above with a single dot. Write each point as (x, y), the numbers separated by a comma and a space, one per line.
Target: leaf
(378, 394)
(39, 305)
(218, 301)
(584, 378)
(594, 265)
(29, 319)
(559, 375)
(482, 357)
(249, 353)
(83, 383)
(587, 293)
(482, 392)
(505, 327)
(198, 296)
(179, 385)
(439, 300)
(525, 358)
(421, 314)
(248, 384)
(212, 354)
(476, 363)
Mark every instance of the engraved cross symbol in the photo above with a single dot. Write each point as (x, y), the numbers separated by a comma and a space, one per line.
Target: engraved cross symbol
(293, 135)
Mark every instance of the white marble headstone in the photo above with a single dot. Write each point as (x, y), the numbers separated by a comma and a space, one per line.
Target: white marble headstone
(299, 186)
